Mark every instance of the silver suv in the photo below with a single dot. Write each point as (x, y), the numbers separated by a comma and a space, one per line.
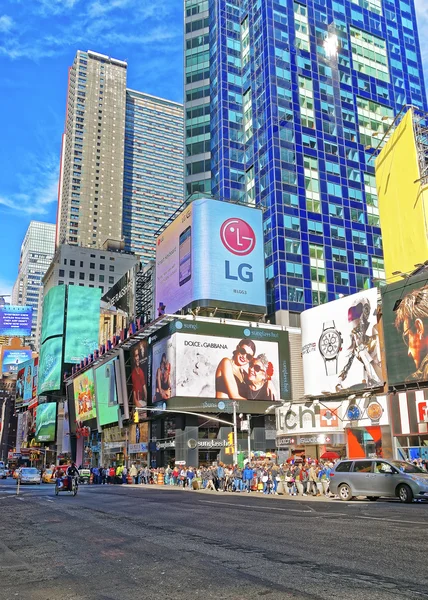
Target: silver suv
(378, 477)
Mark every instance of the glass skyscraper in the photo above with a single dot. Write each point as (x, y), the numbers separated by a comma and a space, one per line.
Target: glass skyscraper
(286, 102)
(153, 169)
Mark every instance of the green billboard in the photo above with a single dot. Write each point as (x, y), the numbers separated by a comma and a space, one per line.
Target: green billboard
(53, 312)
(50, 364)
(106, 392)
(83, 323)
(46, 422)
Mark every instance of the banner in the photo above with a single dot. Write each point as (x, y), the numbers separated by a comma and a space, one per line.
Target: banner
(53, 312)
(50, 364)
(84, 396)
(139, 364)
(83, 323)
(106, 392)
(15, 321)
(340, 345)
(13, 359)
(46, 422)
(405, 324)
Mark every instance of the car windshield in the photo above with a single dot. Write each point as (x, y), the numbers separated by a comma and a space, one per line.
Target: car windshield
(29, 471)
(406, 467)
(48, 472)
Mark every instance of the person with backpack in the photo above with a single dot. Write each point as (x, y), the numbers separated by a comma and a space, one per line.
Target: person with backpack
(247, 477)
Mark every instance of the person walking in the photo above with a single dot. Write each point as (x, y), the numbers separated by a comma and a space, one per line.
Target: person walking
(313, 480)
(221, 477)
(237, 478)
(210, 480)
(133, 471)
(304, 478)
(247, 477)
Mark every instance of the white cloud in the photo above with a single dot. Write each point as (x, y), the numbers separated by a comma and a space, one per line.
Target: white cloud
(38, 190)
(6, 24)
(5, 287)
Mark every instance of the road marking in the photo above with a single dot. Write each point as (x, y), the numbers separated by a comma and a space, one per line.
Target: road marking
(47, 499)
(258, 507)
(391, 520)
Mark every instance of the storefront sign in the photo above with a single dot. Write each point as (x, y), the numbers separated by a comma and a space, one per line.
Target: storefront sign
(164, 445)
(319, 418)
(334, 439)
(137, 448)
(111, 445)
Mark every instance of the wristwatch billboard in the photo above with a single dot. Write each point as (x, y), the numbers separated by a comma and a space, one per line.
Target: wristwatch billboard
(330, 344)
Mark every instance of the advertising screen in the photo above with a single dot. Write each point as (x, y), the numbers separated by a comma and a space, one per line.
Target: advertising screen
(139, 358)
(212, 254)
(26, 382)
(53, 312)
(405, 323)
(19, 397)
(15, 321)
(83, 323)
(46, 422)
(13, 359)
(340, 345)
(49, 372)
(106, 392)
(84, 396)
(217, 361)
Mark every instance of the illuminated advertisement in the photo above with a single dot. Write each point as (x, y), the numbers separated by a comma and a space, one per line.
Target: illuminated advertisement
(13, 359)
(83, 323)
(53, 312)
(46, 422)
(15, 321)
(84, 396)
(19, 396)
(340, 345)
(405, 323)
(222, 362)
(106, 392)
(139, 361)
(26, 383)
(49, 372)
(212, 255)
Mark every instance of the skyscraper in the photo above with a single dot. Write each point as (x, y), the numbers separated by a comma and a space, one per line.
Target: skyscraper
(286, 102)
(37, 251)
(153, 172)
(91, 175)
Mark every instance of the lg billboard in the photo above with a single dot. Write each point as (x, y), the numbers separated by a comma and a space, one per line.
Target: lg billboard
(212, 255)
(340, 345)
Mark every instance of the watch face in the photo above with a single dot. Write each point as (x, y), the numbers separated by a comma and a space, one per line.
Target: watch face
(353, 412)
(329, 343)
(374, 411)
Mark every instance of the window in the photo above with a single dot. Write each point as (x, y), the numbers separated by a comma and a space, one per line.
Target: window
(341, 278)
(101, 278)
(293, 246)
(92, 265)
(344, 467)
(295, 294)
(71, 274)
(72, 263)
(339, 255)
(102, 267)
(91, 277)
(315, 227)
(111, 268)
(81, 264)
(291, 223)
(362, 466)
(61, 273)
(111, 280)
(81, 276)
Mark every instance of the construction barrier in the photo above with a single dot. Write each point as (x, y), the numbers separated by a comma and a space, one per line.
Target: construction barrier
(160, 480)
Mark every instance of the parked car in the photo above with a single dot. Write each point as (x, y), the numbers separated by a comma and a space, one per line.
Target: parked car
(47, 476)
(29, 475)
(375, 478)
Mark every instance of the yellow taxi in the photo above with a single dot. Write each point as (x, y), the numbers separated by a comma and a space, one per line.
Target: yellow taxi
(47, 476)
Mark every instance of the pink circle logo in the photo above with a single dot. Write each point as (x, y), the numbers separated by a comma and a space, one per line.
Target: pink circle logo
(238, 237)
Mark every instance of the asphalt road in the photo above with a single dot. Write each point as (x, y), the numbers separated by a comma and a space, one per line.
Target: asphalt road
(126, 542)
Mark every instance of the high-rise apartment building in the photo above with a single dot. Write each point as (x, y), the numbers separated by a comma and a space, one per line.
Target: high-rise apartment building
(153, 172)
(91, 175)
(37, 251)
(122, 159)
(286, 102)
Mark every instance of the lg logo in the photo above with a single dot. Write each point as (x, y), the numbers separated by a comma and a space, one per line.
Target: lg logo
(238, 238)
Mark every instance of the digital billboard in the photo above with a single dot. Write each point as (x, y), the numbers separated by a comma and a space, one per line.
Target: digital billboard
(84, 396)
(340, 345)
(83, 323)
(19, 395)
(106, 392)
(405, 324)
(219, 361)
(403, 201)
(139, 363)
(212, 255)
(49, 372)
(12, 359)
(26, 383)
(46, 422)
(15, 321)
(53, 312)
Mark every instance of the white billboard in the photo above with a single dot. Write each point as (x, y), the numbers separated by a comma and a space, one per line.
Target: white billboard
(340, 345)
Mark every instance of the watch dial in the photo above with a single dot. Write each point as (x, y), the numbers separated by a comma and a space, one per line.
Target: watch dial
(330, 344)
(353, 412)
(374, 411)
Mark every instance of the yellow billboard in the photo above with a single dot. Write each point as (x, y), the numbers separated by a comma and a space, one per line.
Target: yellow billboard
(402, 201)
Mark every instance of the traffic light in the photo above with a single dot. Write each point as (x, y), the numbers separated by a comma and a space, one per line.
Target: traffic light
(230, 443)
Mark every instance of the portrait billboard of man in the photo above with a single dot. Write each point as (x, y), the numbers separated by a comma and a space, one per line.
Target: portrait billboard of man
(412, 321)
(139, 374)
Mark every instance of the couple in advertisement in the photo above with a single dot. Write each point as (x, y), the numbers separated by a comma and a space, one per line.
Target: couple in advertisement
(245, 376)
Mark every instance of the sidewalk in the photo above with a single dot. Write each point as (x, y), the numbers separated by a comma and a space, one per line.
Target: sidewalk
(309, 497)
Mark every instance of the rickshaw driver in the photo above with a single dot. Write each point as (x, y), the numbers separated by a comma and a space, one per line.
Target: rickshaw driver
(72, 471)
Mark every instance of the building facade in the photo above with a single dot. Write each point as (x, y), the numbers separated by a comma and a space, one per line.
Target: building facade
(153, 171)
(286, 102)
(37, 251)
(91, 174)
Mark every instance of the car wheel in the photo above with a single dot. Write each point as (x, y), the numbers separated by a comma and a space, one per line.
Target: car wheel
(405, 493)
(345, 492)
(372, 498)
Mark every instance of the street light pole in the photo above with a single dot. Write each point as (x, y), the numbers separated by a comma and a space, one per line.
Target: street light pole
(249, 438)
(235, 436)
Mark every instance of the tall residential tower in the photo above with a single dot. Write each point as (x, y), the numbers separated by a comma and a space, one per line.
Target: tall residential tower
(286, 102)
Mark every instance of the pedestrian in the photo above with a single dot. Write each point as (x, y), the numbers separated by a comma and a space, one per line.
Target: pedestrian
(313, 480)
(190, 477)
(210, 480)
(133, 471)
(304, 478)
(247, 477)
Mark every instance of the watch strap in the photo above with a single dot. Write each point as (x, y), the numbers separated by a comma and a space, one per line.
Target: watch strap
(331, 366)
(328, 325)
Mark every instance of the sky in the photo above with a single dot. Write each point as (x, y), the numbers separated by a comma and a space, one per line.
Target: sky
(38, 41)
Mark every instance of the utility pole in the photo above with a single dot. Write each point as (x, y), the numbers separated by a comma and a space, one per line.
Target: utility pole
(235, 436)
(249, 437)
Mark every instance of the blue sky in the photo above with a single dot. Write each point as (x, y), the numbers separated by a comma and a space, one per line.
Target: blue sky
(38, 41)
